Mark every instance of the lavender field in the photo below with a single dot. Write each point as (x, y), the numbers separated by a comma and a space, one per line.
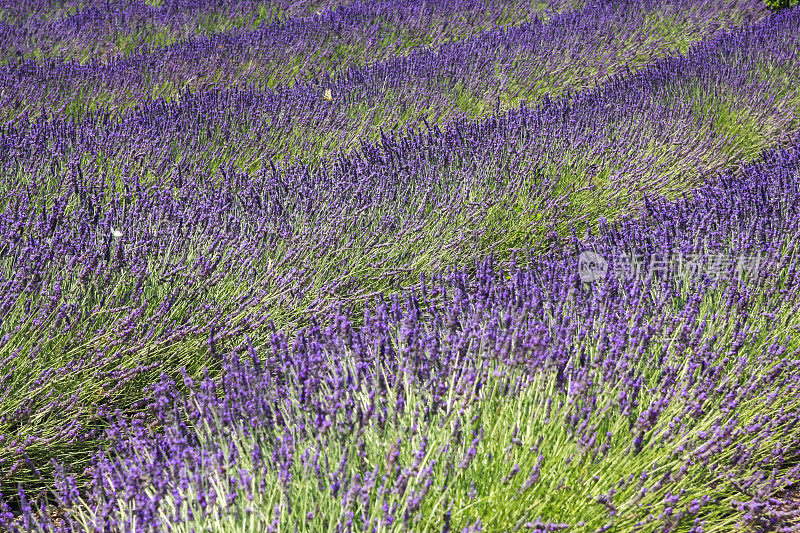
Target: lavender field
(383, 266)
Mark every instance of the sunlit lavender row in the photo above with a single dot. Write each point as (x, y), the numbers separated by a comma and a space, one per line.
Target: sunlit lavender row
(110, 278)
(495, 398)
(102, 29)
(23, 12)
(571, 52)
(281, 51)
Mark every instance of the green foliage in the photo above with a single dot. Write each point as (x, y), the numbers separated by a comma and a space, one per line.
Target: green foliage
(777, 5)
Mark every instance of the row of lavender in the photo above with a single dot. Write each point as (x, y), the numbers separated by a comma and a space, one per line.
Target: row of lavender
(71, 12)
(104, 29)
(499, 398)
(572, 51)
(160, 133)
(351, 34)
(104, 286)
